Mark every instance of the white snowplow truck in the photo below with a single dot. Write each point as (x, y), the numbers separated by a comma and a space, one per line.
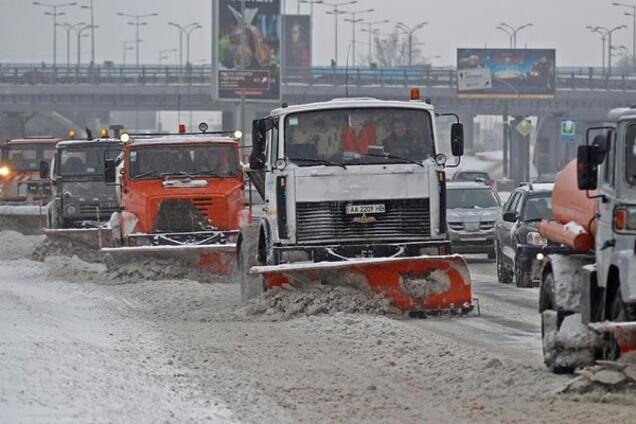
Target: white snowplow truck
(588, 286)
(355, 193)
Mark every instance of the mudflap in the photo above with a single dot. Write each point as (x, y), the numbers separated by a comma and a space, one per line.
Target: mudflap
(424, 284)
(93, 238)
(25, 219)
(215, 259)
(620, 334)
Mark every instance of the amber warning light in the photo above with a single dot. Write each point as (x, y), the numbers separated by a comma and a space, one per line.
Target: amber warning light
(182, 129)
(415, 94)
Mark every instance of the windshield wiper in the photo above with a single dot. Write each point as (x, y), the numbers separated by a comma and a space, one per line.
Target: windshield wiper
(319, 161)
(146, 174)
(175, 174)
(390, 156)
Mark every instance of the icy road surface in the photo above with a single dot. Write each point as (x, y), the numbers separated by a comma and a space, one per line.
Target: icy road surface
(78, 347)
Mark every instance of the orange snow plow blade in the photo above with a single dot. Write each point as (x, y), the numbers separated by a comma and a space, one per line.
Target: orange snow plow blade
(93, 238)
(425, 283)
(624, 334)
(216, 260)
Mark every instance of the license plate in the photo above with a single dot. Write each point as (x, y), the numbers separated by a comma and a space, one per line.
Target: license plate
(471, 226)
(365, 209)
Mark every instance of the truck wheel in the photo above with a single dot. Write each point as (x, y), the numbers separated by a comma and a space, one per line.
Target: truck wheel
(251, 285)
(503, 276)
(551, 321)
(523, 277)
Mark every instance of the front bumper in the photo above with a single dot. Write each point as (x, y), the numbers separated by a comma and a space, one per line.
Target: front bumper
(472, 242)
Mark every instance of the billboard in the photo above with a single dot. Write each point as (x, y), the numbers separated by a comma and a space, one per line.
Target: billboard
(506, 73)
(248, 54)
(297, 33)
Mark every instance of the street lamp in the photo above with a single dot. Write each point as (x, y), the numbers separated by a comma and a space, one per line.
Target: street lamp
(409, 31)
(515, 31)
(137, 23)
(68, 28)
(335, 11)
(507, 31)
(126, 47)
(187, 29)
(633, 15)
(80, 34)
(607, 33)
(354, 21)
(54, 13)
(371, 32)
(92, 9)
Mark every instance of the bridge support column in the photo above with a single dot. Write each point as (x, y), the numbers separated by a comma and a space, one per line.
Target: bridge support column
(468, 120)
(519, 151)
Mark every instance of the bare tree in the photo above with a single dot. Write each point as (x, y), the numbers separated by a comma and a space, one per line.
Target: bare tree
(393, 51)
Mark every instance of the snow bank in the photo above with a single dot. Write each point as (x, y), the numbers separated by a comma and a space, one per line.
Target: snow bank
(14, 245)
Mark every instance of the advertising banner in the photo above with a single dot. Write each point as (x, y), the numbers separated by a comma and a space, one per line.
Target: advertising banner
(297, 32)
(249, 49)
(506, 73)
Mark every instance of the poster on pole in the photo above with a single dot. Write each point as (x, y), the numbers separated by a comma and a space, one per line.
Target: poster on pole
(506, 73)
(297, 33)
(249, 48)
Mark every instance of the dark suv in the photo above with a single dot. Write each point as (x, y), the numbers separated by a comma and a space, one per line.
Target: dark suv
(518, 241)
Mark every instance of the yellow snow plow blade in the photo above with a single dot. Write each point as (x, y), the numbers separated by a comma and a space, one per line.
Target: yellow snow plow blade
(425, 283)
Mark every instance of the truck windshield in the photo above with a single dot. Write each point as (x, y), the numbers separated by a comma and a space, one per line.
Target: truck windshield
(538, 207)
(630, 155)
(27, 157)
(188, 160)
(359, 136)
(471, 199)
(86, 160)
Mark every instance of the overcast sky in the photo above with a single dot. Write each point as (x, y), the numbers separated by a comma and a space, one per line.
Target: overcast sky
(26, 33)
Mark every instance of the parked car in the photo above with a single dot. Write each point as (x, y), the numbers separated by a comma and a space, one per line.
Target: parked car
(476, 176)
(517, 238)
(471, 211)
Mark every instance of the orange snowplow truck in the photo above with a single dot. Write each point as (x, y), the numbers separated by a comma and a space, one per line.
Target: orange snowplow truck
(181, 197)
(23, 194)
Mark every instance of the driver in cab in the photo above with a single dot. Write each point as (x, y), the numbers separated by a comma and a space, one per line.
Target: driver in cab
(403, 143)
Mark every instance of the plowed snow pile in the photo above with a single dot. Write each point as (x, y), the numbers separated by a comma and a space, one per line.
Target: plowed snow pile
(16, 245)
(289, 303)
(50, 248)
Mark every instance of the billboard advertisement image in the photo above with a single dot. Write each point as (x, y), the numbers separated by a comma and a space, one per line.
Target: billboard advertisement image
(506, 73)
(249, 49)
(297, 32)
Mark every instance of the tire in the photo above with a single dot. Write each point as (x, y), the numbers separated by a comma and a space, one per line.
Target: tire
(252, 286)
(503, 276)
(523, 277)
(546, 303)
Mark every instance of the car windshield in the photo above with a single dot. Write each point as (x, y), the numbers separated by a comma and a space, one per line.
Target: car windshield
(538, 207)
(359, 136)
(86, 160)
(480, 198)
(27, 157)
(197, 161)
(630, 155)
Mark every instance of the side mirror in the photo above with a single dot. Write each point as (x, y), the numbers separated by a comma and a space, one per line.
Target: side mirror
(510, 217)
(587, 166)
(258, 157)
(457, 139)
(44, 170)
(110, 171)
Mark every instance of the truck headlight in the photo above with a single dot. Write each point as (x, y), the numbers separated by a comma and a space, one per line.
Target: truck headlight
(536, 239)
(625, 218)
(4, 171)
(71, 210)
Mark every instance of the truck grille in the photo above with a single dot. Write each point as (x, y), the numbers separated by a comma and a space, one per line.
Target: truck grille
(328, 221)
(90, 210)
(203, 204)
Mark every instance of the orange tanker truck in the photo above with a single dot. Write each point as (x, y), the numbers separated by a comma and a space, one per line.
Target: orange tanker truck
(181, 197)
(23, 194)
(588, 283)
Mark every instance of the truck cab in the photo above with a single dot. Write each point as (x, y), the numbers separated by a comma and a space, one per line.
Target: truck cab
(351, 178)
(81, 198)
(177, 186)
(20, 181)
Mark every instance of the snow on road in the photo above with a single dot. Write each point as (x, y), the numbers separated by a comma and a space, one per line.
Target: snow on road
(77, 346)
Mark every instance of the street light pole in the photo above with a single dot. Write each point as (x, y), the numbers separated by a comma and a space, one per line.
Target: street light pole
(335, 11)
(515, 31)
(126, 47)
(633, 15)
(508, 33)
(91, 8)
(188, 34)
(54, 13)
(410, 31)
(608, 34)
(137, 23)
(372, 31)
(354, 21)
(80, 34)
(68, 28)
(187, 29)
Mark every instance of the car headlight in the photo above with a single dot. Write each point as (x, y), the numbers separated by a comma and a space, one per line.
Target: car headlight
(4, 171)
(625, 218)
(536, 239)
(71, 210)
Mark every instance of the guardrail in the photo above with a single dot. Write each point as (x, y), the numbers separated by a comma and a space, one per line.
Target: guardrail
(199, 75)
